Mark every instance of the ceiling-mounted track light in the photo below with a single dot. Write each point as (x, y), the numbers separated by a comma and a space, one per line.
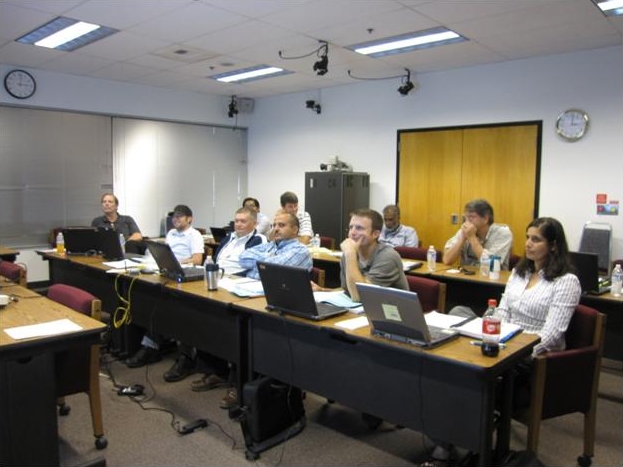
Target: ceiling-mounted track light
(321, 67)
(233, 107)
(407, 85)
(310, 104)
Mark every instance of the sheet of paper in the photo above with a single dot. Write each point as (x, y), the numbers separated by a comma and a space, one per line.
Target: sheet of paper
(353, 323)
(337, 298)
(473, 328)
(52, 328)
(442, 320)
(243, 286)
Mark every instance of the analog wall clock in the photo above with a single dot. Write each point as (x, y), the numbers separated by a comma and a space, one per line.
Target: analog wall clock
(20, 84)
(572, 124)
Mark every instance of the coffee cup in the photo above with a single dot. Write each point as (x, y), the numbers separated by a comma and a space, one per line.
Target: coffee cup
(213, 274)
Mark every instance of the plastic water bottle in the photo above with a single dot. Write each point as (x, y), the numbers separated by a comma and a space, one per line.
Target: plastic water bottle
(60, 243)
(484, 263)
(431, 258)
(494, 268)
(491, 325)
(122, 242)
(315, 244)
(616, 282)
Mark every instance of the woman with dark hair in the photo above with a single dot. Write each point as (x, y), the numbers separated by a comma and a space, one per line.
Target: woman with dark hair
(540, 296)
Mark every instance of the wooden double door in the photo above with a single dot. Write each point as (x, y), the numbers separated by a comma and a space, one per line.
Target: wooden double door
(439, 170)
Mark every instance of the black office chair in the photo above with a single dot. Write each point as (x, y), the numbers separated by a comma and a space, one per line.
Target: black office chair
(596, 238)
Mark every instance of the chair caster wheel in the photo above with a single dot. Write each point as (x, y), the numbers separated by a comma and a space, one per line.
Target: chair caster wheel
(251, 456)
(101, 442)
(584, 460)
(64, 410)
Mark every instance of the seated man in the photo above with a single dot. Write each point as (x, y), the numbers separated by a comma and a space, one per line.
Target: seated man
(290, 204)
(187, 245)
(263, 222)
(283, 249)
(364, 259)
(479, 233)
(394, 233)
(227, 257)
(111, 219)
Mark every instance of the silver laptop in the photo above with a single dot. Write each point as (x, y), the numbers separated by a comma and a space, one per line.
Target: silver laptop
(397, 315)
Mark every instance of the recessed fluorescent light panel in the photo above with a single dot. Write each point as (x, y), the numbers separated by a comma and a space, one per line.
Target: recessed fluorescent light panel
(408, 42)
(250, 74)
(611, 7)
(66, 34)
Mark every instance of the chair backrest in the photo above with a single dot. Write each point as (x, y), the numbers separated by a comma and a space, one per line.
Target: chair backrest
(596, 238)
(327, 242)
(512, 261)
(76, 299)
(432, 293)
(318, 276)
(582, 328)
(419, 253)
(14, 272)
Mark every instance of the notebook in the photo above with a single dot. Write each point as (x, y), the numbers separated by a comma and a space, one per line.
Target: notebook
(587, 269)
(169, 265)
(81, 241)
(110, 246)
(288, 290)
(219, 234)
(397, 315)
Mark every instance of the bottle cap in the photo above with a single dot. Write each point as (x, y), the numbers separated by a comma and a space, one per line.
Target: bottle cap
(492, 302)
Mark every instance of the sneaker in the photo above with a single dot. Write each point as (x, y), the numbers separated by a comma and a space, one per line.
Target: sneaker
(230, 400)
(182, 367)
(144, 356)
(207, 382)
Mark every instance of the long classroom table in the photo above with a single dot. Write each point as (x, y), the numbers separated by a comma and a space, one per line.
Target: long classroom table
(447, 393)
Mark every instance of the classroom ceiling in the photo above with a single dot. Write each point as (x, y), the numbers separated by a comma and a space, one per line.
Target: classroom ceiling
(224, 35)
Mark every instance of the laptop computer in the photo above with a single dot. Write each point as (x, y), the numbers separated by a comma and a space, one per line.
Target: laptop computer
(110, 246)
(587, 269)
(219, 233)
(397, 315)
(81, 241)
(288, 290)
(169, 265)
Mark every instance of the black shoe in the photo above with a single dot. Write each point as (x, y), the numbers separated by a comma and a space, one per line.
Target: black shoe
(144, 356)
(182, 367)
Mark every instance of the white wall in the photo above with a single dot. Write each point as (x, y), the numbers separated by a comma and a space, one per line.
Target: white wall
(359, 124)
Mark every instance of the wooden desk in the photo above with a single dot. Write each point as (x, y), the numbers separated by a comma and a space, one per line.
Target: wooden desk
(28, 425)
(447, 392)
(8, 254)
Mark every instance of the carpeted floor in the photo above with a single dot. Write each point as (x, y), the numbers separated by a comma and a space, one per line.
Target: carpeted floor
(141, 432)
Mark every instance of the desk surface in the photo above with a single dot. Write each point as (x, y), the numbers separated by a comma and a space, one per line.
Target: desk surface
(459, 350)
(32, 308)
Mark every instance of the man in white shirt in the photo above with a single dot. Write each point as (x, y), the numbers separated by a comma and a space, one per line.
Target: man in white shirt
(290, 204)
(394, 233)
(263, 222)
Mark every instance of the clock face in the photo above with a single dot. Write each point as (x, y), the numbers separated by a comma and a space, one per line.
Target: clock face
(572, 124)
(20, 84)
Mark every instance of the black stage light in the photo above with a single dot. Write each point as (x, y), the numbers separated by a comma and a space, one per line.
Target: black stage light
(310, 104)
(232, 109)
(321, 67)
(405, 88)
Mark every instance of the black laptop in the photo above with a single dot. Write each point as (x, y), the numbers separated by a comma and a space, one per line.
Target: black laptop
(169, 265)
(219, 233)
(81, 241)
(288, 290)
(110, 246)
(587, 269)
(397, 315)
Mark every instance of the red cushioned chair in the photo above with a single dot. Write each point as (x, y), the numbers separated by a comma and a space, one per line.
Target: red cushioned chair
(318, 276)
(327, 242)
(77, 370)
(411, 252)
(566, 381)
(432, 293)
(15, 272)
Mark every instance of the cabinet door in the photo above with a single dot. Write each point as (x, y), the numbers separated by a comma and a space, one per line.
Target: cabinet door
(440, 170)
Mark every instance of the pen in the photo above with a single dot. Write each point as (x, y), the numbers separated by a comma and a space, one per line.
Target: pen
(479, 344)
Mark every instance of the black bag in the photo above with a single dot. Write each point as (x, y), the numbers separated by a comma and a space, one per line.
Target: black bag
(272, 413)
